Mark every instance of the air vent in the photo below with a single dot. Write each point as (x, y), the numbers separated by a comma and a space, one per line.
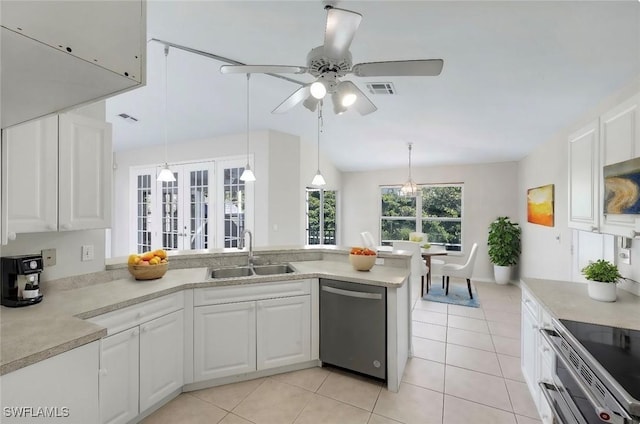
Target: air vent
(381, 88)
(128, 118)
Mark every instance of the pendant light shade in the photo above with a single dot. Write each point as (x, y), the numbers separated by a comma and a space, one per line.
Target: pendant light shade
(247, 174)
(165, 174)
(409, 189)
(318, 180)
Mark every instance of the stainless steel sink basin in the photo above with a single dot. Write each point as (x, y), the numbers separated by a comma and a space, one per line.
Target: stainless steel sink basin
(273, 269)
(238, 271)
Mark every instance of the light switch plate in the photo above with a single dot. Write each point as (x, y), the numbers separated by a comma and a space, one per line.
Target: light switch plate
(87, 252)
(48, 257)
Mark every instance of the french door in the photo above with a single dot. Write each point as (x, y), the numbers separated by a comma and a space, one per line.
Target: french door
(206, 207)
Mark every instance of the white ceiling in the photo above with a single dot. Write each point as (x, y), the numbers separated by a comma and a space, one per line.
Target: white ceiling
(515, 73)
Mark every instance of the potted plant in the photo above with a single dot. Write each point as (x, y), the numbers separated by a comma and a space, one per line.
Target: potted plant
(504, 247)
(602, 276)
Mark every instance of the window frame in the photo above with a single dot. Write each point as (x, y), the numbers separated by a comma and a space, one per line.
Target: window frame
(419, 217)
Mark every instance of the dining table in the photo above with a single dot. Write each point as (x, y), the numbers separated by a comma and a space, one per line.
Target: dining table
(426, 255)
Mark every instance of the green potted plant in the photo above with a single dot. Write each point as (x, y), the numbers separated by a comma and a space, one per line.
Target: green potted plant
(504, 247)
(602, 276)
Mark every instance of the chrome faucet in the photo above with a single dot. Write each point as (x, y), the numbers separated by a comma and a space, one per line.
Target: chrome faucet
(250, 258)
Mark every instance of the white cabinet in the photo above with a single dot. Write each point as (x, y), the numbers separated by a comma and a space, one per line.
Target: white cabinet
(224, 340)
(119, 371)
(584, 178)
(141, 360)
(161, 358)
(56, 175)
(613, 138)
(65, 387)
(240, 329)
(529, 344)
(284, 331)
(620, 141)
(85, 173)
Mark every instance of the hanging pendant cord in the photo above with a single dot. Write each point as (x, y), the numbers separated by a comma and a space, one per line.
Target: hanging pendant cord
(166, 100)
(248, 77)
(320, 125)
(410, 180)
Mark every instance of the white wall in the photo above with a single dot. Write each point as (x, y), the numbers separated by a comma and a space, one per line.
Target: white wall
(490, 190)
(544, 255)
(68, 244)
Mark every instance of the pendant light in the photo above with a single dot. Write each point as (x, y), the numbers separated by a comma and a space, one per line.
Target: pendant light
(166, 175)
(247, 174)
(318, 179)
(409, 189)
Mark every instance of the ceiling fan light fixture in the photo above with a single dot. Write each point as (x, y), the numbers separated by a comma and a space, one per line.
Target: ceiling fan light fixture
(338, 107)
(311, 103)
(318, 90)
(348, 99)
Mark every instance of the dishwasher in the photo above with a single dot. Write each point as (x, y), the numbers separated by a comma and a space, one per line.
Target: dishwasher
(353, 327)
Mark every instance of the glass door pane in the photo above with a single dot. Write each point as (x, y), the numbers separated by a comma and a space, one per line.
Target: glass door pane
(143, 213)
(199, 209)
(170, 214)
(234, 206)
(329, 206)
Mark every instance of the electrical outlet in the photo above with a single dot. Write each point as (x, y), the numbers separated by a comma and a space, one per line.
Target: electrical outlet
(48, 257)
(87, 252)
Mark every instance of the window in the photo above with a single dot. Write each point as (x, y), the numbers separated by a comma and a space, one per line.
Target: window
(321, 216)
(436, 211)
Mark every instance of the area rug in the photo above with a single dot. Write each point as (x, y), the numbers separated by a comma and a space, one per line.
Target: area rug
(458, 295)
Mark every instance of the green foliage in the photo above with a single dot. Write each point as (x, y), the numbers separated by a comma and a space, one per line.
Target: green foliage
(504, 242)
(602, 271)
(329, 212)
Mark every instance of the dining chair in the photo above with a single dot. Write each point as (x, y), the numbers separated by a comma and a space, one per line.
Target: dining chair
(461, 271)
(418, 266)
(368, 240)
(436, 269)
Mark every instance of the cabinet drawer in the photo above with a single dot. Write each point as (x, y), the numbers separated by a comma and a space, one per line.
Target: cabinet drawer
(131, 316)
(248, 292)
(529, 302)
(546, 354)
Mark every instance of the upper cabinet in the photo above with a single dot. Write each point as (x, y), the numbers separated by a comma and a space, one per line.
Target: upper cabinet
(613, 138)
(583, 178)
(58, 55)
(56, 175)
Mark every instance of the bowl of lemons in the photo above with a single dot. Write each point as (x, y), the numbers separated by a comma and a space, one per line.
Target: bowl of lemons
(149, 265)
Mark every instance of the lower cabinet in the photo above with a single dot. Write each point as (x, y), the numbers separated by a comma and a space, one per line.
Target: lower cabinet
(529, 350)
(250, 335)
(139, 367)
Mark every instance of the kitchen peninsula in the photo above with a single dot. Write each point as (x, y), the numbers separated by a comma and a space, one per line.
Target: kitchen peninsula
(186, 316)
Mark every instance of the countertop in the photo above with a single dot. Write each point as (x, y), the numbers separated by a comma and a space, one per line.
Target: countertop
(567, 300)
(34, 333)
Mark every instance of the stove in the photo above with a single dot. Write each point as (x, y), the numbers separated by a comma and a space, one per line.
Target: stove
(617, 350)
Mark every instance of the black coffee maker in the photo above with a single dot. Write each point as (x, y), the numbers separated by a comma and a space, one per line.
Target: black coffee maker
(20, 280)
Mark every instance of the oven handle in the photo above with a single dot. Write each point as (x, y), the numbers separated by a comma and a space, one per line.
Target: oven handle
(603, 413)
(544, 388)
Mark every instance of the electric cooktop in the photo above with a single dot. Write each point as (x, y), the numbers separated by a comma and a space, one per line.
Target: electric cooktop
(616, 349)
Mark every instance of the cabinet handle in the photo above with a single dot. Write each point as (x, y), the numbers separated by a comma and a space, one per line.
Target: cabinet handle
(135, 333)
(527, 301)
(103, 372)
(66, 226)
(144, 329)
(11, 236)
(594, 229)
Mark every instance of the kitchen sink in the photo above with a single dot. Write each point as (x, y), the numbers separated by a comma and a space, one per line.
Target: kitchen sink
(273, 269)
(238, 271)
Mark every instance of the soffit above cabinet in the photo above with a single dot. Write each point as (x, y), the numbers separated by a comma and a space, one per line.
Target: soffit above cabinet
(58, 55)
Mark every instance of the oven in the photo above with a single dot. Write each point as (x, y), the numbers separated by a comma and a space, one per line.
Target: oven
(582, 392)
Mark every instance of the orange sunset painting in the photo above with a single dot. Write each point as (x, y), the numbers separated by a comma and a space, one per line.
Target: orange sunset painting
(540, 205)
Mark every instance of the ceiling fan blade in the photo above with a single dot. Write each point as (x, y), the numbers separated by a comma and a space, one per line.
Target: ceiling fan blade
(399, 68)
(262, 69)
(363, 105)
(341, 28)
(299, 95)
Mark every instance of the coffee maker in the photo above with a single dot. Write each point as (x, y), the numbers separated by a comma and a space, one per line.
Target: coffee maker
(20, 285)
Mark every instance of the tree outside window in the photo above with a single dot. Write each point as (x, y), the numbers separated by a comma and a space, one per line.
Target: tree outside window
(321, 216)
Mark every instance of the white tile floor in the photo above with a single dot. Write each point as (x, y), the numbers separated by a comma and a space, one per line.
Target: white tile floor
(465, 369)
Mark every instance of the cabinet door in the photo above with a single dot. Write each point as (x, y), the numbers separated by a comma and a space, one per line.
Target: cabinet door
(30, 178)
(584, 195)
(284, 331)
(529, 351)
(224, 340)
(620, 141)
(85, 173)
(119, 377)
(161, 358)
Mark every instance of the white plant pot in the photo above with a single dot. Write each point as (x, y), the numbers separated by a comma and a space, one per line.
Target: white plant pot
(502, 274)
(604, 292)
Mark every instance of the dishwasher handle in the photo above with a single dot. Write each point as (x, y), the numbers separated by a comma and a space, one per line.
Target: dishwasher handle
(351, 293)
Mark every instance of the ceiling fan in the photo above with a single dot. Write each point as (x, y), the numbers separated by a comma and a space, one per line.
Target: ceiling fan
(332, 61)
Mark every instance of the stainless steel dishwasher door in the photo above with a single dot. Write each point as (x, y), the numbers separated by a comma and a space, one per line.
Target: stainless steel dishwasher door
(353, 327)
